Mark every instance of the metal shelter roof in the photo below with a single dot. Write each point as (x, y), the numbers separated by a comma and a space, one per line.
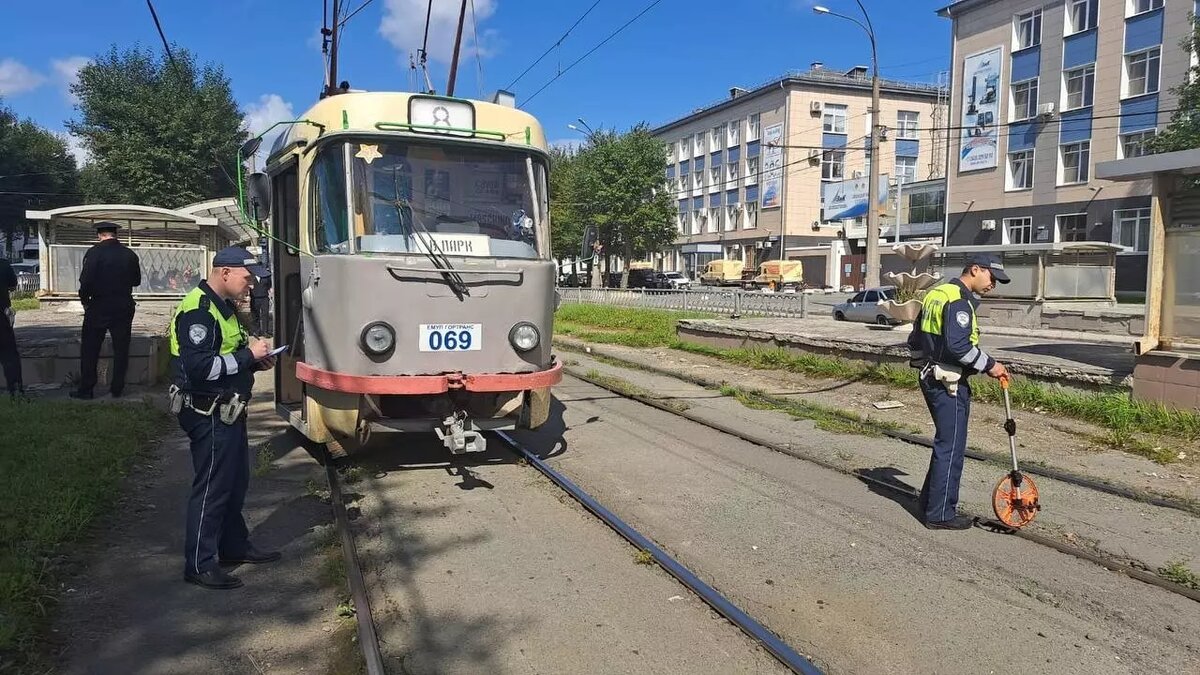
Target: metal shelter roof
(132, 216)
(228, 215)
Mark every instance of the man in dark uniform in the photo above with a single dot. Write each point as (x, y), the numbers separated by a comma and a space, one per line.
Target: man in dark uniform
(110, 273)
(944, 344)
(213, 370)
(10, 358)
(260, 298)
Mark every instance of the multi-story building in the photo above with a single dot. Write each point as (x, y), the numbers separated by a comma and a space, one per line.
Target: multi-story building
(1042, 90)
(748, 173)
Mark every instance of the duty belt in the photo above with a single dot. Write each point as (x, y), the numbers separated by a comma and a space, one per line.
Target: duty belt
(231, 406)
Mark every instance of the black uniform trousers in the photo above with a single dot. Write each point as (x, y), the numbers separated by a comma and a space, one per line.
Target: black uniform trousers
(10, 358)
(116, 319)
(221, 460)
(260, 315)
(951, 414)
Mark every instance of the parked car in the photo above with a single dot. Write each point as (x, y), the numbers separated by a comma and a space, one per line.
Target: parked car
(672, 280)
(864, 307)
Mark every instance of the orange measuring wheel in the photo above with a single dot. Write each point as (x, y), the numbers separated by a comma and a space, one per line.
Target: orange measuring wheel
(1015, 500)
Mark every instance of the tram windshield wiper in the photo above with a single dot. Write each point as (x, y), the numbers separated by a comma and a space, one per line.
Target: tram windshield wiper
(416, 229)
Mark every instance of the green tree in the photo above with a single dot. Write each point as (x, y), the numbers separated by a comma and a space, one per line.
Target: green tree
(160, 132)
(36, 172)
(566, 220)
(619, 186)
(1183, 133)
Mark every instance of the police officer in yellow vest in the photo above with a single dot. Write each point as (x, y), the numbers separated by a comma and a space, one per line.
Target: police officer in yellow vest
(213, 365)
(944, 344)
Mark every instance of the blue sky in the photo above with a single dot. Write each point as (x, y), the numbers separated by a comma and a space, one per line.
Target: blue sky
(678, 56)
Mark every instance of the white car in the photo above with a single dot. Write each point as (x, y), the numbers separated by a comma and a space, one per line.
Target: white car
(673, 280)
(864, 307)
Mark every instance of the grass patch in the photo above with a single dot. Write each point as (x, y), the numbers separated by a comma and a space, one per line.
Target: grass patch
(643, 558)
(331, 572)
(1179, 573)
(834, 420)
(263, 459)
(24, 304)
(56, 478)
(1112, 410)
(352, 475)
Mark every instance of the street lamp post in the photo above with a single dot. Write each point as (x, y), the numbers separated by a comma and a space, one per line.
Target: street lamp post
(872, 277)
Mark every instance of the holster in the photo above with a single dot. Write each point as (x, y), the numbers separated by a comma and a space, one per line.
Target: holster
(232, 410)
(176, 397)
(948, 376)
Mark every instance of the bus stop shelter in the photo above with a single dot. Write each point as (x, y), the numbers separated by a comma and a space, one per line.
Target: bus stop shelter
(1168, 365)
(175, 246)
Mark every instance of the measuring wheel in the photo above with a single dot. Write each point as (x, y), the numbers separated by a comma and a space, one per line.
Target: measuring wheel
(1015, 500)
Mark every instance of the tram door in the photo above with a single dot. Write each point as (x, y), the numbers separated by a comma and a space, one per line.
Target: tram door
(285, 226)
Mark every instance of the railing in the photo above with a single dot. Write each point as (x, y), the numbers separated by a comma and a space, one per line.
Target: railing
(28, 283)
(717, 301)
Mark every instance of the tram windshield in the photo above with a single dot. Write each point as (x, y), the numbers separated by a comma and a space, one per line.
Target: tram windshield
(402, 197)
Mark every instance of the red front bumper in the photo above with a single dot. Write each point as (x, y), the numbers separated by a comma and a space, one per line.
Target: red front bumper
(428, 384)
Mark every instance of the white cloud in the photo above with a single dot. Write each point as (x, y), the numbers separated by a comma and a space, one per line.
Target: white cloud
(403, 26)
(75, 147)
(17, 78)
(271, 108)
(67, 71)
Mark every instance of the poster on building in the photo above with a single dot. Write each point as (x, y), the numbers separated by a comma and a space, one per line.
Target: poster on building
(980, 110)
(772, 184)
(848, 199)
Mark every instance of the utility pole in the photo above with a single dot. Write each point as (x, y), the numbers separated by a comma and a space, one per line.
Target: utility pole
(872, 279)
(331, 88)
(462, 16)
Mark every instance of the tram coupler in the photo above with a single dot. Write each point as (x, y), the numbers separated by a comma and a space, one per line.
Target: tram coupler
(457, 438)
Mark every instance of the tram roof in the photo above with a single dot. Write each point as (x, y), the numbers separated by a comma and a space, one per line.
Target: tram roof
(411, 113)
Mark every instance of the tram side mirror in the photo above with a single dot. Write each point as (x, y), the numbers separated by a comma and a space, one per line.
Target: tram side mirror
(251, 146)
(589, 240)
(258, 191)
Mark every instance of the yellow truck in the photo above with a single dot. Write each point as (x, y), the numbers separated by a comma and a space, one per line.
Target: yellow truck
(778, 275)
(722, 273)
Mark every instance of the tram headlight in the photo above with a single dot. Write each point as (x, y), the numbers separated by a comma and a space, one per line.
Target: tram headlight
(378, 338)
(524, 336)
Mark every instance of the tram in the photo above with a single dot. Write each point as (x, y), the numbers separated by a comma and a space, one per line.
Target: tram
(412, 270)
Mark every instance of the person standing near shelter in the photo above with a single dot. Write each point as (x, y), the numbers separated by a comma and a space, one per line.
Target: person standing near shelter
(10, 357)
(110, 273)
(213, 370)
(944, 344)
(260, 298)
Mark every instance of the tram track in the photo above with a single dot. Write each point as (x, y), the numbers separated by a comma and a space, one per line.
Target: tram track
(980, 520)
(366, 625)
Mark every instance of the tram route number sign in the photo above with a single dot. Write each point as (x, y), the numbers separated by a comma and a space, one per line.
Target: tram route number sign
(451, 337)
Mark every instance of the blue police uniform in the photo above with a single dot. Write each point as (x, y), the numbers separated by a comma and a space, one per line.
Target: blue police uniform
(213, 372)
(946, 334)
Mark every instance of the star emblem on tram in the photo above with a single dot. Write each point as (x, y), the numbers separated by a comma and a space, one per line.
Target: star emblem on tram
(368, 153)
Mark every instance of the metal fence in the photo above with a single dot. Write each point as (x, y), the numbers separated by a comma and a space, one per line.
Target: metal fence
(718, 301)
(28, 283)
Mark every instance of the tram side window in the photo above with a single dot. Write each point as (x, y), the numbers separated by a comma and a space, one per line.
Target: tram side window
(331, 232)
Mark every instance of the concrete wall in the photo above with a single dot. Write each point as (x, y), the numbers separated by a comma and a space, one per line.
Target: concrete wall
(1171, 379)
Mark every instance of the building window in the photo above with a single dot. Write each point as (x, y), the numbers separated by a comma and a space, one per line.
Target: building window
(833, 165)
(716, 142)
(731, 214)
(714, 178)
(906, 170)
(1020, 170)
(906, 124)
(751, 171)
(834, 119)
(714, 219)
(1135, 7)
(670, 153)
(683, 183)
(683, 148)
(1027, 30)
(1080, 16)
(1074, 161)
(1135, 144)
(1080, 87)
(681, 222)
(1141, 72)
(735, 134)
(1024, 100)
(751, 221)
(927, 206)
(1072, 227)
(697, 221)
(698, 144)
(1018, 231)
(1131, 229)
(752, 128)
(698, 181)
(731, 174)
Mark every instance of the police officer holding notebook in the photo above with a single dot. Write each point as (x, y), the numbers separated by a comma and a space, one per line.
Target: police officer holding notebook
(944, 344)
(213, 366)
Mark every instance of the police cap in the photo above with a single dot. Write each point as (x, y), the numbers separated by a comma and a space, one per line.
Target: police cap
(106, 226)
(991, 262)
(236, 256)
